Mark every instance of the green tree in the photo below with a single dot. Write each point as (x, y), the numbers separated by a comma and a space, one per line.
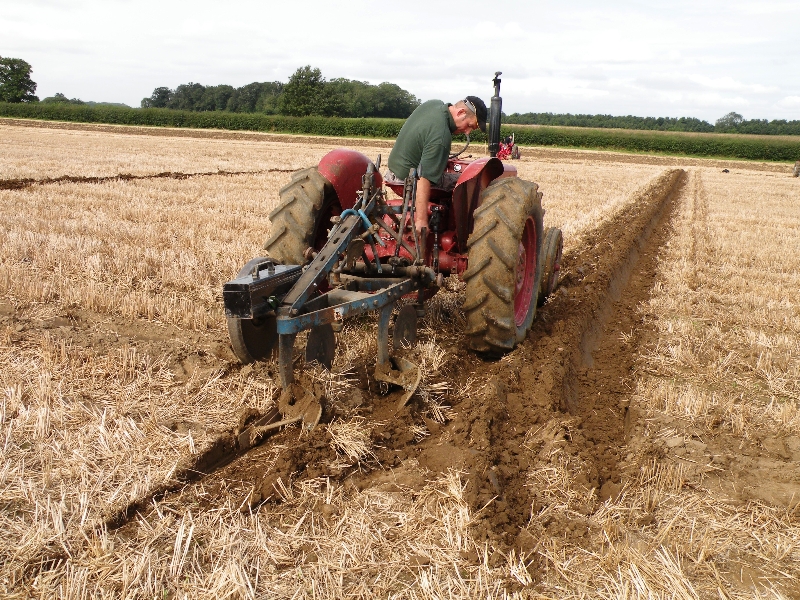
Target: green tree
(159, 99)
(188, 96)
(269, 97)
(217, 96)
(729, 122)
(60, 98)
(304, 94)
(392, 101)
(15, 81)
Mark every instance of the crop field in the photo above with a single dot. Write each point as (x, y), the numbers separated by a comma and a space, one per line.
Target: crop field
(643, 442)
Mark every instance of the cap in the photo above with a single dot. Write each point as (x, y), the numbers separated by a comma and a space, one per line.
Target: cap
(479, 110)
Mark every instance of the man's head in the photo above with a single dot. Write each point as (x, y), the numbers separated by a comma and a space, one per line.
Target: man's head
(469, 114)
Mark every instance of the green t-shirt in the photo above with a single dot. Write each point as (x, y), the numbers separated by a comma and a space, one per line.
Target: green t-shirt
(425, 140)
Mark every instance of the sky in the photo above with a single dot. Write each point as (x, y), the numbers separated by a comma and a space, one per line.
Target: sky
(696, 58)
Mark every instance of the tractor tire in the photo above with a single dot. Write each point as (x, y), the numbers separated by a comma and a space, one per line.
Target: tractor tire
(302, 218)
(552, 247)
(503, 273)
(253, 339)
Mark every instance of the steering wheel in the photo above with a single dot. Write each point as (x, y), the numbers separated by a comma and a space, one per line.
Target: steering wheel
(460, 152)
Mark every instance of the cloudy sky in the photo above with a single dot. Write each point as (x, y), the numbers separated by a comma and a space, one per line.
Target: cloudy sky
(699, 58)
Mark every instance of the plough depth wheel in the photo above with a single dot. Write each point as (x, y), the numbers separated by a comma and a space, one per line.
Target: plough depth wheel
(253, 339)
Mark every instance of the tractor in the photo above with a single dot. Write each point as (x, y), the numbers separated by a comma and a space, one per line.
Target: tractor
(508, 149)
(341, 245)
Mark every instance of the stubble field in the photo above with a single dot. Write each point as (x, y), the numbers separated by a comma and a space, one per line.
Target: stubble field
(641, 443)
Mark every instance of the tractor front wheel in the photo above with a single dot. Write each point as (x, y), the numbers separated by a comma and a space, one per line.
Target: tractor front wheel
(503, 274)
(302, 218)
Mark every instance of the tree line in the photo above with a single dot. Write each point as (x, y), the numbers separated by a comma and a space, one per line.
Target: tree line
(307, 93)
(731, 123)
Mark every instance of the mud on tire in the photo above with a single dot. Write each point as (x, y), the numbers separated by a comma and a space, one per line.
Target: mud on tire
(503, 274)
(302, 218)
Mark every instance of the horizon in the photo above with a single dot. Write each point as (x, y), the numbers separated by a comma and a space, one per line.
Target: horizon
(630, 59)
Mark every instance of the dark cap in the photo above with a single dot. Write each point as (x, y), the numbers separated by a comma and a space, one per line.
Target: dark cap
(480, 110)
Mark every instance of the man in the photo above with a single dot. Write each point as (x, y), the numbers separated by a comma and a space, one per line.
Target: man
(424, 143)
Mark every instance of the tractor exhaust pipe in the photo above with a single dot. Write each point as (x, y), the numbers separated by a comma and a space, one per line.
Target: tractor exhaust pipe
(495, 111)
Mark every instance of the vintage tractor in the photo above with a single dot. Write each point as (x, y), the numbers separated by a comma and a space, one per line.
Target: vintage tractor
(340, 246)
(508, 149)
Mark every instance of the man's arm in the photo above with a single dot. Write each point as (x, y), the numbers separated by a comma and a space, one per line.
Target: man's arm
(421, 204)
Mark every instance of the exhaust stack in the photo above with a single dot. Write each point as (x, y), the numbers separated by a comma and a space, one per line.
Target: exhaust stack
(495, 111)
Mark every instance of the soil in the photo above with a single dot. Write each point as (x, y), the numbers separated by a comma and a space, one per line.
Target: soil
(16, 184)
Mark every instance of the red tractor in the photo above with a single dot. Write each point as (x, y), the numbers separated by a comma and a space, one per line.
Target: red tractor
(508, 150)
(340, 246)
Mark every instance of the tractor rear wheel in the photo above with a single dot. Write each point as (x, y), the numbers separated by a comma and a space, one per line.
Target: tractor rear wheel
(552, 247)
(503, 273)
(302, 218)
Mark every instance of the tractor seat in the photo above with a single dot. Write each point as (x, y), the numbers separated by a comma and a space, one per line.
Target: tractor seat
(443, 189)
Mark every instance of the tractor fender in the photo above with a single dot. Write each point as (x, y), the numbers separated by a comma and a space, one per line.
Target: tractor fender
(473, 180)
(344, 169)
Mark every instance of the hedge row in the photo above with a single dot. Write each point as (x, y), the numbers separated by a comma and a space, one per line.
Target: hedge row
(164, 117)
(716, 145)
(687, 144)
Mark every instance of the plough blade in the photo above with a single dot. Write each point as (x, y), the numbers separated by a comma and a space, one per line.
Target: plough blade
(250, 435)
(406, 375)
(302, 402)
(297, 403)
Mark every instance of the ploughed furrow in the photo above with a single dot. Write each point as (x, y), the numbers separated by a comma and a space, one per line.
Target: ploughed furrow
(17, 184)
(562, 396)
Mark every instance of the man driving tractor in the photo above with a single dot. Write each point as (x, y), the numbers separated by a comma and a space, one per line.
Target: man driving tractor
(424, 143)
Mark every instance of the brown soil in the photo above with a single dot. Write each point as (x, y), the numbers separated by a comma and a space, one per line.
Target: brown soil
(16, 184)
(566, 391)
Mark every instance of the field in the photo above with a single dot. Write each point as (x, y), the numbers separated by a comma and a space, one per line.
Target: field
(642, 443)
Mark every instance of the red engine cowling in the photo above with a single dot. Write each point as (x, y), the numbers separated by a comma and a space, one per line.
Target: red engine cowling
(344, 169)
(457, 199)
